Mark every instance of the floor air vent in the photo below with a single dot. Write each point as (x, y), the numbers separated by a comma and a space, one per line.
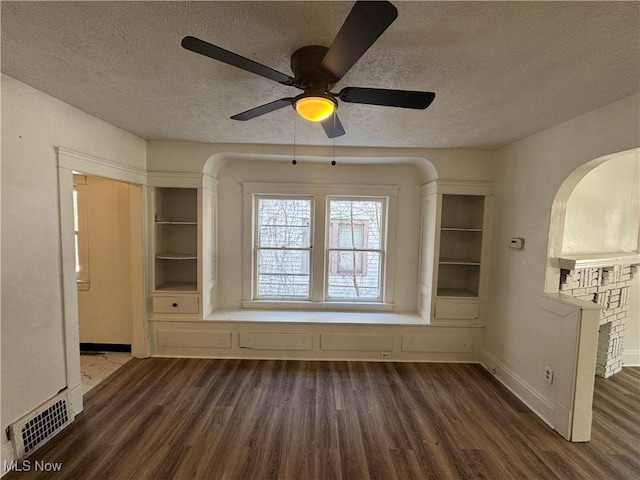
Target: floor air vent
(37, 428)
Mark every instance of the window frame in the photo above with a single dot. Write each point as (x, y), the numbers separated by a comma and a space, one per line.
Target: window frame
(381, 251)
(256, 247)
(319, 230)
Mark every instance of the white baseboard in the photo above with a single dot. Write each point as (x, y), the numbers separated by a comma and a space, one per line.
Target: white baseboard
(7, 456)
(631, 358)
(516, 385)
(76, 400)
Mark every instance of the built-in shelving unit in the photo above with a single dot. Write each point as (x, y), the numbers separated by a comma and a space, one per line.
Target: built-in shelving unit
(460, 253)
(176, 240)
(455, 232)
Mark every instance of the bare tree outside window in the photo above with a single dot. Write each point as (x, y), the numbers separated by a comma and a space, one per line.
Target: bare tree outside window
(355, 248)
(283, 247)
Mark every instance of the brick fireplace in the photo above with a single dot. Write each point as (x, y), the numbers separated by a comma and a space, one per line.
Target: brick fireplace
(605, 281)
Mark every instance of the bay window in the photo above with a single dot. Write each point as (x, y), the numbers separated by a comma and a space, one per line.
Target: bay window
(317, 246)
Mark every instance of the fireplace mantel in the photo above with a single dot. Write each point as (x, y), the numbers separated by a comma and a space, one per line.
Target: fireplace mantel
(597, 260)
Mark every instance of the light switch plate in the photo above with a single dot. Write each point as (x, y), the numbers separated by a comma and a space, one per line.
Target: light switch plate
(517, 243)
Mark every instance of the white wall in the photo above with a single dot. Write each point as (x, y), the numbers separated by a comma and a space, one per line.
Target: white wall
(105, 310)
(444, 164)
(33, 123)
(529, 174)
(603, 211)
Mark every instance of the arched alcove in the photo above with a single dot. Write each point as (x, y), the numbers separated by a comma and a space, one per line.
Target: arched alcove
(215, 162)
(581, 231)
(594, 235)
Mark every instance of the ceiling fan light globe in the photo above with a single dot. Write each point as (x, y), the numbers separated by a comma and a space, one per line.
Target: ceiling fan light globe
(315, 109)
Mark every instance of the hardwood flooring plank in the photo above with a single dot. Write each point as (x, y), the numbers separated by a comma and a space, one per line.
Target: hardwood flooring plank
(327, 464)
(197, 419)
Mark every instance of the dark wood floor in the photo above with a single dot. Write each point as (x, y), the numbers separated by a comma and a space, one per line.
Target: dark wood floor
(247, 419)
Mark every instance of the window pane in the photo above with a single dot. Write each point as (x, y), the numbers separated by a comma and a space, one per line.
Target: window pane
(283, 223)
(77, 255)
(354, 275)
(283, 273)
(350, 235)
(75, 210)
(355, 224)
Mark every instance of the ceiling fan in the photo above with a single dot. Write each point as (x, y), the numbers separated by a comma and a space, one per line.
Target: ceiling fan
(317, 69)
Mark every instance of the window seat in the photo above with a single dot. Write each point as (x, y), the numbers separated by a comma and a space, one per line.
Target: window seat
(320, 317)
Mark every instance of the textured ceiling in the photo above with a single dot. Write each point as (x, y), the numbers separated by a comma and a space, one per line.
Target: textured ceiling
(501, 70)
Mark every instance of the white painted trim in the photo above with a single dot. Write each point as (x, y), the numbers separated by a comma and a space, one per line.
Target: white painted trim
(631, 358)
(563, 305)
(189, 334)
(100, 167)
(595, 260)
(585, 368)
(306, 317)
(68, 285)
(175, 179)
(7, 456)
(253, 190)
(69, 161)
(430, 188)
(75, 399)
(521, 389)
(313, 306)
(140, 338)
(210, 183)
(336, 189)
(455, 187)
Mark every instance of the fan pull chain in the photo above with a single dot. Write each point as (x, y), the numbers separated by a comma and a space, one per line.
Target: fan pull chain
(294, 140)
(333, 162)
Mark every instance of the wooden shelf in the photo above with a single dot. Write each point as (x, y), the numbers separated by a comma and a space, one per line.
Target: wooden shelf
(177, 287)
(458, 261)
(167, 222)
(176, 256)
(456, 292)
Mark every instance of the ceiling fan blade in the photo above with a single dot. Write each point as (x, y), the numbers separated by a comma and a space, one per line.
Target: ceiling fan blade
(365, 23)
(333, 128)
(387, 98)
(263, 109)
(225, 56)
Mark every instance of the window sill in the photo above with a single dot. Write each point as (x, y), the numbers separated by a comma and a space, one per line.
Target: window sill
(300, 317)
(317, 306)
(83, 286)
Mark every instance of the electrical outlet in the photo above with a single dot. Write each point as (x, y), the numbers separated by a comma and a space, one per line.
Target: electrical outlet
(548, 375)
(385, 354)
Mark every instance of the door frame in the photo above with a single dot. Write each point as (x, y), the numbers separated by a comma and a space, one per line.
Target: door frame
(68, 162)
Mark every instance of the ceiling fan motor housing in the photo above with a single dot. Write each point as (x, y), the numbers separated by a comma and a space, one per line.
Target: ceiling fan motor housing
(305, 65)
